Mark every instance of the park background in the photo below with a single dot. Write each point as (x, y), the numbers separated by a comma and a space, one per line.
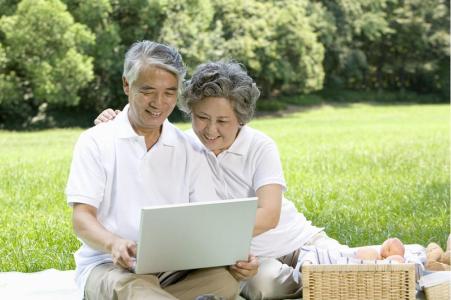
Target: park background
(355, 93)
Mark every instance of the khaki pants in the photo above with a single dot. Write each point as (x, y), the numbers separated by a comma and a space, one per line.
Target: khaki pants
(276, 277)
(108, 281)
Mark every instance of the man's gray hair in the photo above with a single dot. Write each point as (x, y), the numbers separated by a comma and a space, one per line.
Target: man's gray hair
(147, 53)
(226, 79)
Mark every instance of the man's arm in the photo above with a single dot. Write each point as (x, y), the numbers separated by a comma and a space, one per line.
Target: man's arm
(88, 228)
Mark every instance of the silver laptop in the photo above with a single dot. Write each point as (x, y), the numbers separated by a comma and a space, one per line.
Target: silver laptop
(195, 235)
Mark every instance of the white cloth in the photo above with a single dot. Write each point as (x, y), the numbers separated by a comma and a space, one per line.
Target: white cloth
(414, 253)
(276, 280)
(113, 171)
(45, 285)
(251, 162)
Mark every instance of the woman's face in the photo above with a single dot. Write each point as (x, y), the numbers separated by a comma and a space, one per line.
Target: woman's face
(215, 123)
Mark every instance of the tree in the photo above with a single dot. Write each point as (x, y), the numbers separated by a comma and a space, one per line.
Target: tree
(107, 53)
(189, 26)
(275, 41)
(412, 55)
(45, 50)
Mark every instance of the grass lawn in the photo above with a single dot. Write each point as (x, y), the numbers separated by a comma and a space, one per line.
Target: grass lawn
(363, 172)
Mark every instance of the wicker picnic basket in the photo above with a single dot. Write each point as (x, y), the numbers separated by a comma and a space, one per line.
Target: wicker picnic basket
(438, 292)
(437, 285)
(368, 282)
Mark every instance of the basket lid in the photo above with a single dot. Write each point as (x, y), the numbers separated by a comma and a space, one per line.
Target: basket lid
(435, 278)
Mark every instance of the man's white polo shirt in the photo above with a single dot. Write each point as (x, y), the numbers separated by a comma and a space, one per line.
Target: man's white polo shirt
(113, 171)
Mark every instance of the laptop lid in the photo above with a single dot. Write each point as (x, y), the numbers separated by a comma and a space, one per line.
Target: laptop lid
(195, 235)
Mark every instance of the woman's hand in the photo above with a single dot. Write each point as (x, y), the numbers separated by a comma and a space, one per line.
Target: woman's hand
(106, 115)
(244, 270)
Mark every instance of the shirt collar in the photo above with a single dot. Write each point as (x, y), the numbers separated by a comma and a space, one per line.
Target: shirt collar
(125, 130)
(240, 146)
(242, 142)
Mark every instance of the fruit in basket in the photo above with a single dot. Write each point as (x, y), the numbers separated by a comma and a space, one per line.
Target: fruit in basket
(396, 258)
(367, 253)
(446, 255)
(392, 246)
(434, 252)
(437, 259)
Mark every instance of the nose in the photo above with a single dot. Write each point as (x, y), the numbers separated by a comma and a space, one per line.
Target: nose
(156, 100)
(211, 128)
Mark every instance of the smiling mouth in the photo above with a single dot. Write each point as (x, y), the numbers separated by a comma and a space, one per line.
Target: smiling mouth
(154, 114)
(211, 138)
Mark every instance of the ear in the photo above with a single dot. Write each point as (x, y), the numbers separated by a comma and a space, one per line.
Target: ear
(125, 85)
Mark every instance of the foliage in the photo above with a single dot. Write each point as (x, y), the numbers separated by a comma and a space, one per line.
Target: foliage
(386, 44)
(52, 68)
(275, 41)
(364, 172)
(290, 47)
(105, 89)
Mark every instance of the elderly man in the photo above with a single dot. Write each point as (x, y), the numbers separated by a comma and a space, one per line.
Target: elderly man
(137, 160)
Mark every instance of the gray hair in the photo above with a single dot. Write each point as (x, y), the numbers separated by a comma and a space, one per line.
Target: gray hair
(147, 53)
(226, 79)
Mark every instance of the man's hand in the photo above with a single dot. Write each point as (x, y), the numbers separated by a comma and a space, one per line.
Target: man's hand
(123, 252)
(106, 115)
(244, 270)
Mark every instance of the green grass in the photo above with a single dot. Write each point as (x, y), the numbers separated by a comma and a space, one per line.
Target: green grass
(364, 172)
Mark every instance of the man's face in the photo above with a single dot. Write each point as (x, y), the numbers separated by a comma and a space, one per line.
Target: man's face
(152, 97)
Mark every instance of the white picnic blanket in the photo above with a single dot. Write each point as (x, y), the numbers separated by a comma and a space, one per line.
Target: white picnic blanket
(45, 285)
(53, 284)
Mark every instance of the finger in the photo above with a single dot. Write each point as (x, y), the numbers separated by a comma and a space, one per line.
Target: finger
(117, 111)
(125, 256)
(104, 118)
(238, 270)
(118, 261)
(109, 113)
(100, 119)
(239, 276)
(247, 265)
(132, 249)
(123, 263)
(234, 273)
(244, 273)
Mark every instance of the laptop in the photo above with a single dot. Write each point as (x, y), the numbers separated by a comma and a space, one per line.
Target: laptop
(195, 235)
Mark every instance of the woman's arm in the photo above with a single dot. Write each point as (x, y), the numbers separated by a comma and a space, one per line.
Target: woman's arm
(88, 228)
(269, 206)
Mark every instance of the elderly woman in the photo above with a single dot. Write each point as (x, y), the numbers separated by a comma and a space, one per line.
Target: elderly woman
(221, 99)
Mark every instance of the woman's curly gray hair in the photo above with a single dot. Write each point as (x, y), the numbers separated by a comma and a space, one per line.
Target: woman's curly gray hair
(226, 79)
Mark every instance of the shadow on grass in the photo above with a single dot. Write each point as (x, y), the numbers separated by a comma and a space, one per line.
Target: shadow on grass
(285, 105)
(63, 117)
